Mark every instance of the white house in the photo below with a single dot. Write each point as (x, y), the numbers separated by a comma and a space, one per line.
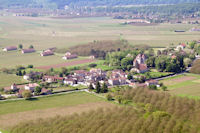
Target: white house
(31, 87)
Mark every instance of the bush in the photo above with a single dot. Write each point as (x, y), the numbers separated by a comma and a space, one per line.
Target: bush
(92, 65)
(109, 97)
(27, 94)
(30, 66)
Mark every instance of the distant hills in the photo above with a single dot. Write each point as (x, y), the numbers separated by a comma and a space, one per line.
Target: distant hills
(80, 3)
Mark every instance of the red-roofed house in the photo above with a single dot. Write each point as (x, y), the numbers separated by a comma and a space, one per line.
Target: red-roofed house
(31, 50)
(69, 56)
(139, 64)
(51, 79)
(10, 48)
(30, 86)
(181, 46)
(45, 91)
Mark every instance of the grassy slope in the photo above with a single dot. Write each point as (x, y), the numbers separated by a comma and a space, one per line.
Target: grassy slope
(188, 88)
(47, 102)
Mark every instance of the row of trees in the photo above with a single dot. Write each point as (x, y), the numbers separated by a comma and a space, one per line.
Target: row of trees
(99, 88)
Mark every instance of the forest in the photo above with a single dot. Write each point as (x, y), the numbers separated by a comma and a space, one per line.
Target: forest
(143, 111)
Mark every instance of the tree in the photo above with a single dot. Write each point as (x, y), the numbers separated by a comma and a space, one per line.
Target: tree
(125, 62)
(20, 46)
(98, 87)
(92, 65)
(26, 94)
(30, 66)
(164, 88)
(37, 90)
(153, 87)
(60, 74)
(64, 70)
(187, 62)
(31, 46)
(104, 88)
(119, 99)
(129, 76)
(91, 87)
(24, 73)
(20, 73)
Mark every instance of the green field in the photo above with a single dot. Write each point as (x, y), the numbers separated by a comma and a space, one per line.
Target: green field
(13, 58)
(47, 102)
(184, 85)
(8, 79)
(43, 32)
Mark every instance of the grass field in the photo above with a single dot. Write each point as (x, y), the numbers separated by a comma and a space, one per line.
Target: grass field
(13, 58)
(8, 79)
(14, 112)
(45, 32)
(184, 85)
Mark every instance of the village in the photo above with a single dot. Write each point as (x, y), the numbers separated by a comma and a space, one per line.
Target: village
(39, 83)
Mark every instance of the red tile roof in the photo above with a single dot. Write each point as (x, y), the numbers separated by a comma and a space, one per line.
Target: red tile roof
(28, 50)
(142, 67)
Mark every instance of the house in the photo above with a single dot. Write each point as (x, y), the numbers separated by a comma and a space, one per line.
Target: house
(47, 53)
(13, 87)
(31, 86)
(113, 82)
(32, 75)
(69, 56)
(45, 91)
(181, 46)
(10, 48)
(52, 79)
(92, 57)
(151, 82)
(31, 50)
(173, 56)
(80, 73)
(198, 41)
(70, 81)
(140, 68)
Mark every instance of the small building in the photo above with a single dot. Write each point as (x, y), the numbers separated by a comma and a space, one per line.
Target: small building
(92, 57)
(10, 48)
(47, 53)
(70, 81)
(52, 79)
(13, 87)
(141, 68)
(113, 82)
(69, 56)
(30, 86)
(31, 50)
(151, 82)
(181, 46)
(32, 75)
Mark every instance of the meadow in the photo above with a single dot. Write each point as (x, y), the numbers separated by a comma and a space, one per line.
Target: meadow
(184, 85)
(14, 112)
(44, 32)
(8, 79)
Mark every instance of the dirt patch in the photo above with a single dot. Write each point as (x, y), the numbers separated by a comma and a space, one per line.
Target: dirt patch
(67, 64)
(9, 120)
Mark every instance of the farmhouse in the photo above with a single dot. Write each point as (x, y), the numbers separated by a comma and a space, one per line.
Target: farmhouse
(31, 87)
(181, 46)
(47, 53)
(69, 56)
(151, 82)
(10, 48)
(31, 50)
(32, 75)
(70, 81)
(113, 82)
(52, 79)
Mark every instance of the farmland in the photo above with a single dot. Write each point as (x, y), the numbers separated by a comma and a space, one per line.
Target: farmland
(48, 32)
(184, 85)
(8, 79)
(49, 106)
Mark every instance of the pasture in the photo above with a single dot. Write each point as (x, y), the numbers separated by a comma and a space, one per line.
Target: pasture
(44, 32)
(184, 85)
(8, 79)
(14, 112)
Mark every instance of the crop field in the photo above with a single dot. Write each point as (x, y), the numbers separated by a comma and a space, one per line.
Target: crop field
(8, 79)
(14, 112)
(43, 32)
(184, 85)
(14, 58)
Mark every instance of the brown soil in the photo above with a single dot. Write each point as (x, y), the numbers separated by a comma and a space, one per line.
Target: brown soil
(9, 120)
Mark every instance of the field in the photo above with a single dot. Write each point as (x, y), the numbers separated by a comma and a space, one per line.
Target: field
(8, 79)
(13, 58)
(14, 112)
(43, 32)
(184, 85)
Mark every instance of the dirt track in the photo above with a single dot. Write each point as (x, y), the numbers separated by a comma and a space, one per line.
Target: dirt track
(71, 63)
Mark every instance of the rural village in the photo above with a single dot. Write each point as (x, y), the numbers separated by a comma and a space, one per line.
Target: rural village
(39, 83)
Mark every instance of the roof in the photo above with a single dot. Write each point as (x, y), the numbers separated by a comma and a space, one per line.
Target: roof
(142, 67)
(32, 85)
(44, 90)
(47, 52)
(28, 50)
(71, 56)
(54, 77)
(11, 48)
(183, 44)
(80, 71)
